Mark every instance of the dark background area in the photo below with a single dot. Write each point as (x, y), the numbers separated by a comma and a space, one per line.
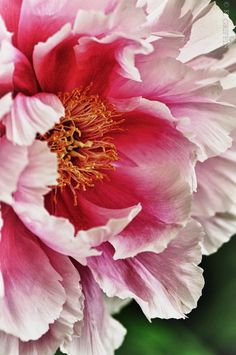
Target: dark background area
(211, 328)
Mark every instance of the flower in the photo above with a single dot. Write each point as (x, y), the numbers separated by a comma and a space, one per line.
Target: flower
(104, 115)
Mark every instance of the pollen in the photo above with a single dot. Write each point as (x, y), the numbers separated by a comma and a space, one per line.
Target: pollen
(83, 141)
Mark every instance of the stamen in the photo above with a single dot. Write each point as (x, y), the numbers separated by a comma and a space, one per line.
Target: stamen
(82, 140)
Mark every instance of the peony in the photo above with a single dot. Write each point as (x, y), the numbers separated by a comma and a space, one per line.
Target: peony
(107, 110)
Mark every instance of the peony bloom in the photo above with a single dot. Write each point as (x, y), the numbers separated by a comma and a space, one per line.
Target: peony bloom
(104, 114)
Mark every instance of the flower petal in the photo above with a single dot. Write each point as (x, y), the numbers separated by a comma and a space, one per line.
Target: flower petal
(9, 344)
(38, 175)
(214, 201)
(62, 329)
(48, 17)
(208, 125)
(7, 56)
(219, 229)
(216, 190)
(100, 333)
(32, 115)
(5, 104)
(33, 296)
(45, 226)
(191, 96)
(10, 168)
(28, 203)
(208, 33)
(162, 179)
(165, 285)
(160, 219)
(80, 53)
(10, 13)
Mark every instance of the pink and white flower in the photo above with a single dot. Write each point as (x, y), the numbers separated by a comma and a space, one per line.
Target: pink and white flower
(104, 114)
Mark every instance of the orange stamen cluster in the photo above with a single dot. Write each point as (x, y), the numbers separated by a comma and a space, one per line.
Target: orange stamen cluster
(81, 139)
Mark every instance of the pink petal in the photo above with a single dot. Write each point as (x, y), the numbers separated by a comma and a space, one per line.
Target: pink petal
(115, 304)
(24, 79)
(28, 203)
(160, 219)
(216, 190)
(177, 83)
(33, 296)
(10, 168)
(100, 333)
(48, 58)
(63, 328)
(163, 222)
(5, 104)
(85, 51)
(144, 127)
(38, 175)
(1, 225)
(207, 33)
(219, 229)
(190, 96)
(214, 201)
(94, 22)
(169, 16)
(165, 285)
(32, 115)
(208, 125)
(44, 225)
(7, 57)
(163, 186)
(49, 17)
(10, 13)
(166, 44)
(9, 344)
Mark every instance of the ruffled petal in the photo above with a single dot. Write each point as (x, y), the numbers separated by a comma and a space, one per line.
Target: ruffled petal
(6, 59)
(160, 219)
(99, 332)
(208, 33)
(219, 229)
(1, 279)
(162, 179)
(191, 96)
(165, 285)
(11, 13)
(38, 175)
(216, 191)
(214, 201)
(46, 226)
(208, 125)
(33, 296)
(63, 328)
(32, 115)
(49, 17)
(9, 344)
(10, 168)
(28, 203)
(77, 55)
(5, 105)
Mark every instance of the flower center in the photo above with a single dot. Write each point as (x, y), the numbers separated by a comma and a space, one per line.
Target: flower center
(82, 140)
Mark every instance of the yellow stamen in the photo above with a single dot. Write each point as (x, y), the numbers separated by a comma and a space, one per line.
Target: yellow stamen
(81, 139)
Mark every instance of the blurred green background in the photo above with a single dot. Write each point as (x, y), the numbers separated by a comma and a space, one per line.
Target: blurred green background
(211, 328)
